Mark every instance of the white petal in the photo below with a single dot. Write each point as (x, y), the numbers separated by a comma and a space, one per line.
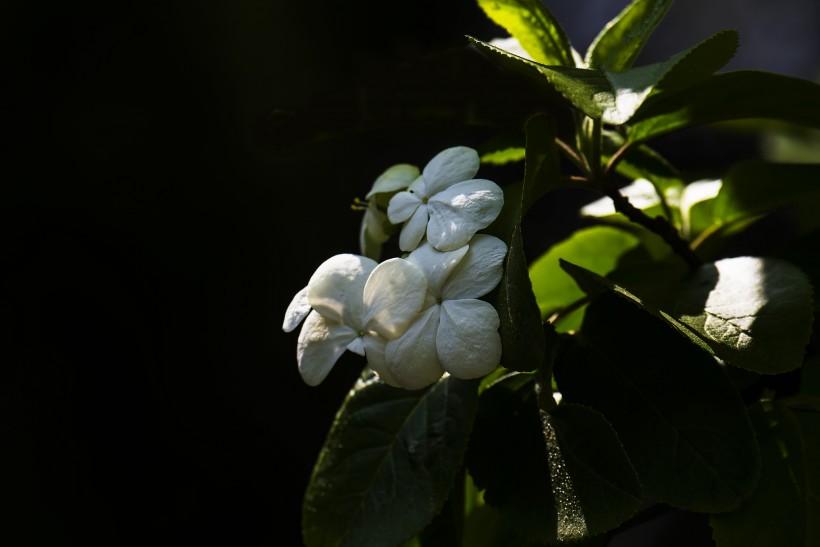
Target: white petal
(458, 212)
(356, 346)
(402, 206)
(468, 342)
(374, 350)
(297, 310)
(412, 359)
(321, 343)
(393, 296)
(480, 270)
(450, 166)
(436, 265)
(394, 178)
(335, 289)
(413, 230)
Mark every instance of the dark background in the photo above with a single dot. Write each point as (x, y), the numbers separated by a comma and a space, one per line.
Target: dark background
(159, 209)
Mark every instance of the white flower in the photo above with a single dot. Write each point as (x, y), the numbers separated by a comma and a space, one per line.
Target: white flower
(455, 332)
(353, 303)
(376, 227)
(445, 202)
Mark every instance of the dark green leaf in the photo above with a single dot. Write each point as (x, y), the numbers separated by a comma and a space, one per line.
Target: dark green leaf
(588, 90)
(735, 95)
(699, 62)
(524, 68)
(597, 248)
(522, 333)
(632, 87)
(754, 187)
(784, 508)
(617, 46)
(594, 484)
(678, 416)
(535, 28)
(542, 171)
(754, 313)
(388, 463)
(557, 475)
(802, 252)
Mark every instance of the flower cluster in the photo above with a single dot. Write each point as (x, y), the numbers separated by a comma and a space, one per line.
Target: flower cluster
(418, 317)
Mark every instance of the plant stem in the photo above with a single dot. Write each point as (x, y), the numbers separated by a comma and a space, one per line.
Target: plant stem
(571, 154)
(568, 309)
(659, 225)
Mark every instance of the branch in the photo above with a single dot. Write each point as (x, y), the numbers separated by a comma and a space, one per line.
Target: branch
(659, 225)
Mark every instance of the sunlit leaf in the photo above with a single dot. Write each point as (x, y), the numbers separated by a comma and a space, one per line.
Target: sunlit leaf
(783, 509)
(535, 28)
(751, 190)
(632, 87)
(615, 96)
(754, 313)
(681, 421)
(552, 475)
(598, 249)
(504, 156)
(738, 95)
(524, 68)
(617, 46)
(589, 90)
(697, 206)
(388, 463)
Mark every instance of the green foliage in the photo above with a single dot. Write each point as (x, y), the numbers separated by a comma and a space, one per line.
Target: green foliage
(688, 374)
(679, 417)
(617, 46)
(521, 329)
(753, 313)
(564, 476)
(616, 94)
(598, 249)
(744, 94)
(382, 440)
(536, 29)
(784, 508)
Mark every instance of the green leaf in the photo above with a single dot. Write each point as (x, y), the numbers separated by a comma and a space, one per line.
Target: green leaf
(598, 249)
(699, 62)
(589, 90)
(615, 96)
(617, 46)
(632, 87)
(552, 475)
(522, 332)
(521, 329)
(753, 313)
(542, 172)
(678, 416)
(388, 463)
(754, 188)
(535, 28)
(738, 95)
(697, 206)
(525, 68)
(751, 190)
(503, 156)
(784, 508)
